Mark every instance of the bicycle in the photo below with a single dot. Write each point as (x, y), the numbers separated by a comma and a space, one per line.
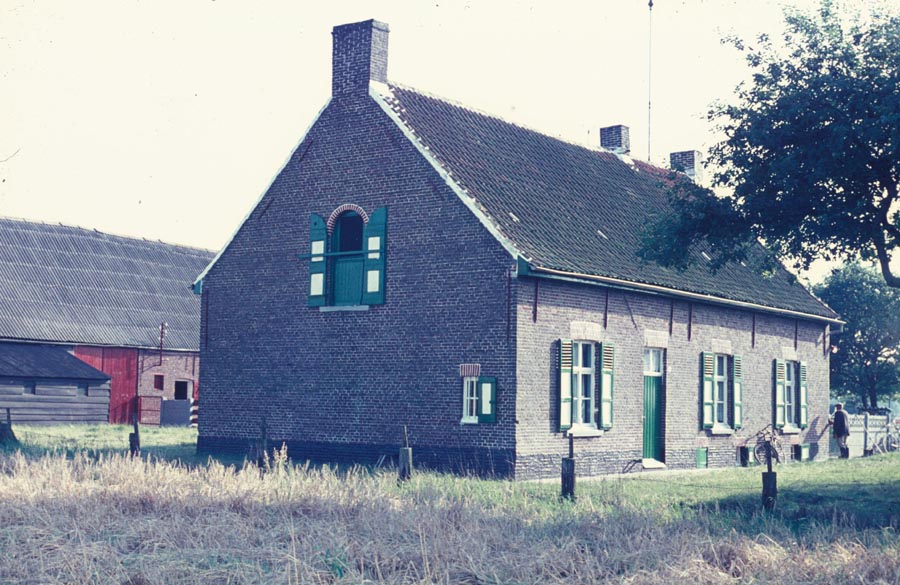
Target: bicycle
(768, 436)
(887, 439)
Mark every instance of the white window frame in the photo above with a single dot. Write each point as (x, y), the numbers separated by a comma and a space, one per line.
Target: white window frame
(650, 371)
(720, 400)
(579, 373)
(791, 403)
(470, 391)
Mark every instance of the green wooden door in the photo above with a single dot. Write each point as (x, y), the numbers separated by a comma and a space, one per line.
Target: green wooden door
(653, 447)
(348, 275)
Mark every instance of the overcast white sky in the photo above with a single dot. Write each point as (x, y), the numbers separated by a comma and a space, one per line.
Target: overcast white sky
(167, 119)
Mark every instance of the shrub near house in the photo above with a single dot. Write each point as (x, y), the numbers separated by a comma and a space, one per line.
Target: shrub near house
(419, 263)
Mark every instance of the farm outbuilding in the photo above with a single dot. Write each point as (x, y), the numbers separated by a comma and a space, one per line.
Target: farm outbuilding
(417, 263)
(118, 304)
(44, 384)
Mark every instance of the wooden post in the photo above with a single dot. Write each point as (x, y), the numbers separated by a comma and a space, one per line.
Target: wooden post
(404, 464)
(134, 439)
(6, 431)
(568, 472)
(769, 481)
(866, 450)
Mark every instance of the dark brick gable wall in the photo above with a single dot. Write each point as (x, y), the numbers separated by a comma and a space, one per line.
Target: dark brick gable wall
(341, 385)
(540, 446)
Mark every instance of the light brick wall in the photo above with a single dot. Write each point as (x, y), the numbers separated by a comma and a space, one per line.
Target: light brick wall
(540, 446)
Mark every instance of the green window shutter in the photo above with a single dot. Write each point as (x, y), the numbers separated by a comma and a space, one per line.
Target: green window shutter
(801, 403)
(317, 264)
(375, 247)
(487, 400)
(565, 384)
(737, 391)
(707, 381)
(779, 410)
(607, 379)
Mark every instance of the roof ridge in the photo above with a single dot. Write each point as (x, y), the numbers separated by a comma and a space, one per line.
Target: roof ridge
(89, 230)
(627, 159)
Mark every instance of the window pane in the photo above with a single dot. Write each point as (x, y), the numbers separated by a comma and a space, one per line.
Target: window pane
(318, 247)
(586, 412)
(317, 284)
(373, 278)
(485, 399)
(720, 365)
(647, 360)
(350, 232)
(587, 350)
(587, 386)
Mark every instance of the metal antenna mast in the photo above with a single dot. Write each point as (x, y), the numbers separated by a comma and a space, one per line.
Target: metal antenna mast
(649, 72)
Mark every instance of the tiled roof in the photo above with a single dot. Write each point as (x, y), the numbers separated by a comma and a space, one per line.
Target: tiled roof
(28, 360)
(67, 284)
(571, 208)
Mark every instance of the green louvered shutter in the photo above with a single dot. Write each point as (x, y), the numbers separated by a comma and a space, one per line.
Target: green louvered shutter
(780, 386)
(607, 381)
(565, 384)
(707, 381)
(375, 245)
(487, 400)
(317, 264)
(802, 403)
(737, 391)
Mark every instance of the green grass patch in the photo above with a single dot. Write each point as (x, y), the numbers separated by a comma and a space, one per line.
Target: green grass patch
(97, 515)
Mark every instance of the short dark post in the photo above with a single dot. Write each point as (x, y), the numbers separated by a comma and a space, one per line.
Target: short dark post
(405, 462)
(867, 451)
(568, 472)
(134, 439)
(6, 431)
(770, 481)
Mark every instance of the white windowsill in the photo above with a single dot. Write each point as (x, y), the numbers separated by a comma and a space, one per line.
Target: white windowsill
(336, 308)
(468, 421)
(790, 430)
(583, 432)
(720, 429)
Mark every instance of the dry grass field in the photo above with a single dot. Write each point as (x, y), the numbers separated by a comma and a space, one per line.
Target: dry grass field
(98, 516)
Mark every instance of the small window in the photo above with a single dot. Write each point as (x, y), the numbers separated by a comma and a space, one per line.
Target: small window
(583, 383)
(159, 382)
(790, 392)
(479, 400)
(470, 400)
(721, 390)
(653, 362)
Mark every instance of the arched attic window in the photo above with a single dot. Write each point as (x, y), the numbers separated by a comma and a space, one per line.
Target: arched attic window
(351, 271)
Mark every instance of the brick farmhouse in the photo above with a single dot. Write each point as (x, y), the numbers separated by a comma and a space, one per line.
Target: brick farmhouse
(417, 263)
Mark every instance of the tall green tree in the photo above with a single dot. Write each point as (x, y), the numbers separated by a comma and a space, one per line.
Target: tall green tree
(866, 361)
(810, 159)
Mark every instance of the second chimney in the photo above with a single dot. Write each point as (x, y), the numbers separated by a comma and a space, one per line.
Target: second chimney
(687, 162)
(359, 54)
(615, 138)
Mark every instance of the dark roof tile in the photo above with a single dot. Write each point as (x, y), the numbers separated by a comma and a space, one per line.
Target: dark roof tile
(562, 194)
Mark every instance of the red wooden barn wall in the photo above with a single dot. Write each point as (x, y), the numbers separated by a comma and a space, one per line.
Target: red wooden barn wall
(121, 365)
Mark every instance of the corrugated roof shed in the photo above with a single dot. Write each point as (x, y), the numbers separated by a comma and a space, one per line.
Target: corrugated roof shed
(72, 285)
(29, 360)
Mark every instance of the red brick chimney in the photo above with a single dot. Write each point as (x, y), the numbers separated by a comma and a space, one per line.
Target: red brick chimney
(359, 55)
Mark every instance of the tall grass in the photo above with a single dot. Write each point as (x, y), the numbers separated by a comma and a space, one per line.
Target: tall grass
(103, 517)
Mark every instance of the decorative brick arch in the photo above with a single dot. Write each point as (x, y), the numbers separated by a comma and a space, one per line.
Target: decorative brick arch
(332, 219)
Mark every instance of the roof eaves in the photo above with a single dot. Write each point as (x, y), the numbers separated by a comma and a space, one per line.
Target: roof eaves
(616, 282)
(381, 93)
(212, 263)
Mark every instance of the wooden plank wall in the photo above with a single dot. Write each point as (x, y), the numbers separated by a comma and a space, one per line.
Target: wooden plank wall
(55, 403)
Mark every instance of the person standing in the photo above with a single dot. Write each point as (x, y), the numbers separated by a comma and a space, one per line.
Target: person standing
(840, 423)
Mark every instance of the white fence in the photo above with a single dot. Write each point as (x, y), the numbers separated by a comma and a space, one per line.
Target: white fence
(865, 429)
